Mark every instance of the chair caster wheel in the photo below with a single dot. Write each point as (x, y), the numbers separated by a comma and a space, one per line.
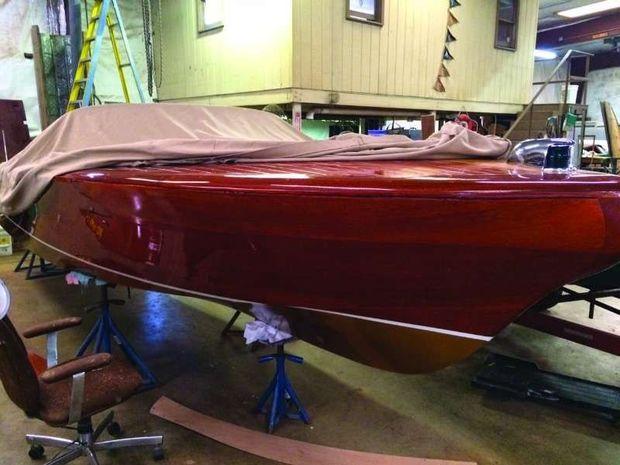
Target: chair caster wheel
(158, 453)
(36, 452)
(114, 429)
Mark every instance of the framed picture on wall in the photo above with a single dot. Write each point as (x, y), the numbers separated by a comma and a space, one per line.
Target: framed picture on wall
(367, 11)
(209, 15)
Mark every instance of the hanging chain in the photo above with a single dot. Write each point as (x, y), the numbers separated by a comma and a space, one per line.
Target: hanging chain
(159, 73)
(154, 64)
(148, 42)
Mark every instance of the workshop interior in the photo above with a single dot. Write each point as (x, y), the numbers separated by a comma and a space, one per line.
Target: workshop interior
(310, 232)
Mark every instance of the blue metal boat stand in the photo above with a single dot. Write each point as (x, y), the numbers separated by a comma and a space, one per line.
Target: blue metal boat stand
(105, 331)
(284, 399)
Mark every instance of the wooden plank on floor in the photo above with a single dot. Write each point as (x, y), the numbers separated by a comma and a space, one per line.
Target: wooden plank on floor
(277, 448)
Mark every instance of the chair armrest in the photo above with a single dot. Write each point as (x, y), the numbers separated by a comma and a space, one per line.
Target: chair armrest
(52, 326)
(73, 367)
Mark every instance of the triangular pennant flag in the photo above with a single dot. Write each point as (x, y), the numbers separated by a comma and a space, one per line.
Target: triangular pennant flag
(446, 54)
(452, 19)
(454, 3)
(443, 71)
(439, 85)
(450, 37)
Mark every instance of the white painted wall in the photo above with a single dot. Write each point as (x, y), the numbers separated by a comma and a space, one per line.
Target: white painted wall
(107, 81)
(604, 85)
(553, 92)
(17, 80)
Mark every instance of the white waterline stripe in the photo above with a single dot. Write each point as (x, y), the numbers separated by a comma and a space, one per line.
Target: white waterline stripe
(210, 296)
(403, 324)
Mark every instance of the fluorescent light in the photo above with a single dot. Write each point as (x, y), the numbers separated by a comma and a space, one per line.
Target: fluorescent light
(586, 10)
(545, 54)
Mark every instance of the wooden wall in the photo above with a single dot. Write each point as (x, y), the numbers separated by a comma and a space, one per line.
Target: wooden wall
(252, 53)
(282, 51)
(402, 57)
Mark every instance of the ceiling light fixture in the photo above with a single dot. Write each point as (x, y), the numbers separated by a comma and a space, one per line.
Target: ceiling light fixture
(545, 54)
(591, 9)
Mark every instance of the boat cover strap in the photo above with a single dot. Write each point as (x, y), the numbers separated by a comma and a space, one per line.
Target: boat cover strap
(113, 135)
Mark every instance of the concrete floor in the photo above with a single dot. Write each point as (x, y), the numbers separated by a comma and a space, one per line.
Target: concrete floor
(352, 406)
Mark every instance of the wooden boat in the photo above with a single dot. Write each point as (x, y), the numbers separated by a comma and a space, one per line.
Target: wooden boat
(406, 266)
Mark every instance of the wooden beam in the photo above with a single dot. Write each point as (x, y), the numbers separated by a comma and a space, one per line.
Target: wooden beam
(572, 331)
(320, 98)
(586, 31)
(259, 98)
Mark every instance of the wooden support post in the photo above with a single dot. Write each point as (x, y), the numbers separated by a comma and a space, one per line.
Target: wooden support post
(584, 114)
(37, 56)
(297, 116)
(564, 104)
(428, 125)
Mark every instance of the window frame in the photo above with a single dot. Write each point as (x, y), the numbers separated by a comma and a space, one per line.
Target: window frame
(200, 24)
(515, 27)
(376, 19)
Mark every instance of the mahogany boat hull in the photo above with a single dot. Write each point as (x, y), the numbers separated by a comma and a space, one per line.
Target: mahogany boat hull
(405, 266)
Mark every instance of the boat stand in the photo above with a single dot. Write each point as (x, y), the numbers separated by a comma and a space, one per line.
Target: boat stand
(45, 269)
(228, 329)
(538, 318)
(524, 380)
(105, 331)
(284, 399)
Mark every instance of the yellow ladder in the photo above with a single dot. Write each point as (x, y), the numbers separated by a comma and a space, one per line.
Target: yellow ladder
(81, 94)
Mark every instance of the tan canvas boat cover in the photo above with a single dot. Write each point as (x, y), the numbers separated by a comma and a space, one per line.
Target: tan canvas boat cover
(112, 135)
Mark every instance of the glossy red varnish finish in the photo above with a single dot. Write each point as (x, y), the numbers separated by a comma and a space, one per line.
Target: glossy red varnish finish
(458, 245)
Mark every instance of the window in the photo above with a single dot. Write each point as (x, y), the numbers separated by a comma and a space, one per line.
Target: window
(367, 11)
(507, 20)
(210, 15)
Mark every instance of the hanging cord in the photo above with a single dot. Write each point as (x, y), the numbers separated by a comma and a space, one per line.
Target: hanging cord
(148, 42)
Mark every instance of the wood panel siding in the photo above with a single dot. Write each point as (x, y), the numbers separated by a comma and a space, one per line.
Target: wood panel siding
(306, 51)
(251, 53)
(401, 58)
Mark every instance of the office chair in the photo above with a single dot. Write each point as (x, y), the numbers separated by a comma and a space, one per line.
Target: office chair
(68, 393)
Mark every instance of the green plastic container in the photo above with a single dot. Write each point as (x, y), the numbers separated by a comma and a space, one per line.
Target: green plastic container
(6, 243)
